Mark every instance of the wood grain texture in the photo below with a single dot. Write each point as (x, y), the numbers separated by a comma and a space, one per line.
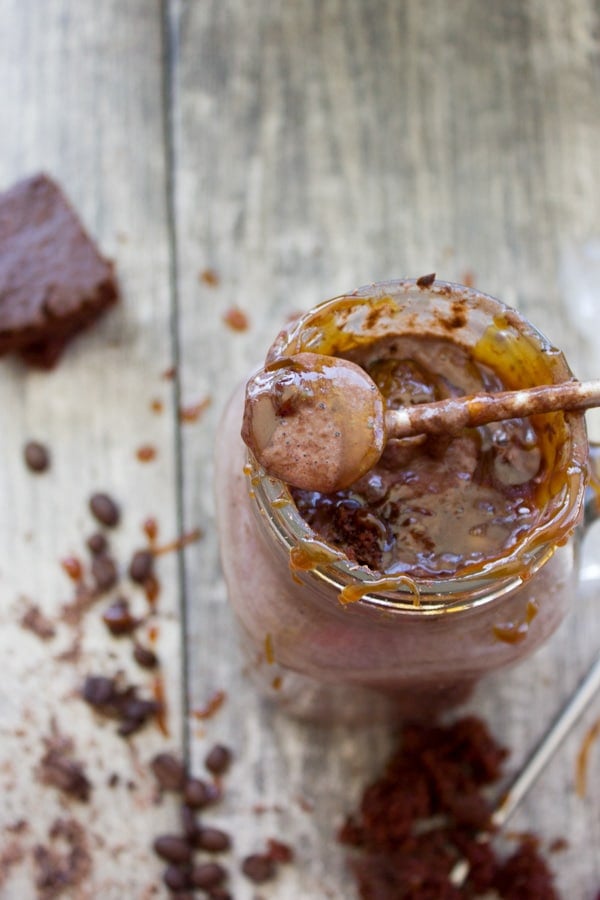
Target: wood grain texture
(297, 150)
(82, 99)
(320, 146)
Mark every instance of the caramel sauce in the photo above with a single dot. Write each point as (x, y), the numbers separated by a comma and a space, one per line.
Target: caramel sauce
(353, 592)
(150, 529)
(211, 707)
(190, 537)
(73, 567)
(152, 590)
(591, 735)
(311, 553)
(146, 453)
(159, 694)
(193, 412)
(269, 652)
(515, 632)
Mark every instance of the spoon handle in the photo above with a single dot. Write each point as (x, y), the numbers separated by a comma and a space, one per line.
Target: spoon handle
(450, 415)
(549, 743)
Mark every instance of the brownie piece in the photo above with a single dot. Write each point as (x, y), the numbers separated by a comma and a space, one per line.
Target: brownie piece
(53, 280)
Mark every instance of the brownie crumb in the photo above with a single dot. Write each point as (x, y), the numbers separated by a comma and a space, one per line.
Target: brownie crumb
(33, 619)
(59, 768)
(209, 277)
(58, 870)
(426, 281)
(122, 703)
(438, 775)
(37, 456)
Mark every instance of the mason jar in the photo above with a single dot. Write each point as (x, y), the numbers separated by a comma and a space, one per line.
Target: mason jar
(329, 639)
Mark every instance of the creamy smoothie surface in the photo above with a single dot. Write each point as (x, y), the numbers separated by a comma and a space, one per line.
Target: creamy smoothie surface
(432, 506)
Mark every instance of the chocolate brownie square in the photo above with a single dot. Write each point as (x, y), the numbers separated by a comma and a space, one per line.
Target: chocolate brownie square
(53, 280)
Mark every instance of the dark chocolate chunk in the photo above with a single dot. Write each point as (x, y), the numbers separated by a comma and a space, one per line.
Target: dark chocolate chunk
(53, 280)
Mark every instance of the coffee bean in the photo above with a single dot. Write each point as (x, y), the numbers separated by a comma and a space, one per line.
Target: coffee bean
(189, 823)
(145, 657)
(118, 619)
(105, 510)
(198, 793)
(98, 690)
(219, 893)
(212, 839)
(37, 456)
(258, 867)
(208, 875)
(97, 544)
(168, 771)
(177, 878)
(218, 759)
(104, 572)
(173, 848)
(141, 566)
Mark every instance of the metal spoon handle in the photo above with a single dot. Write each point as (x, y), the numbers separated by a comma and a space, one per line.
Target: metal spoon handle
(450, 415)
(548, 745)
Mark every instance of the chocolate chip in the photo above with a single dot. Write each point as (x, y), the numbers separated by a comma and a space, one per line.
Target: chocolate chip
(145, 657)
(104, 572)
(177, 878)
(37, 456)
(118, 619)
(219, 893)
(279, 852)
(212, 839)
(173, 848)
(105, 510)
(168, 771)
(98, 690)
(198, 793)
(208, 875)
(97, 543)
(141, 566)
(218, 759)
(258, 867)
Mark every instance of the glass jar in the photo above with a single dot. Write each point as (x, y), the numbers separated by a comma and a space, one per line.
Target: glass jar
(329, 639)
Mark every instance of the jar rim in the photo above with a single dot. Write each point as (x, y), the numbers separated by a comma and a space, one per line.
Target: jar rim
(474, 585)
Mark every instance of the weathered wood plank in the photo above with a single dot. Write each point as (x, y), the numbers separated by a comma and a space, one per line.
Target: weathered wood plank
(320, 146)
(82, 99)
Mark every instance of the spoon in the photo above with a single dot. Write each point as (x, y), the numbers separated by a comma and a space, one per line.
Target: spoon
(539, 757)
(319, 422)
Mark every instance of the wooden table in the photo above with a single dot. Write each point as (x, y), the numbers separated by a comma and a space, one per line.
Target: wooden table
(294, 150)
